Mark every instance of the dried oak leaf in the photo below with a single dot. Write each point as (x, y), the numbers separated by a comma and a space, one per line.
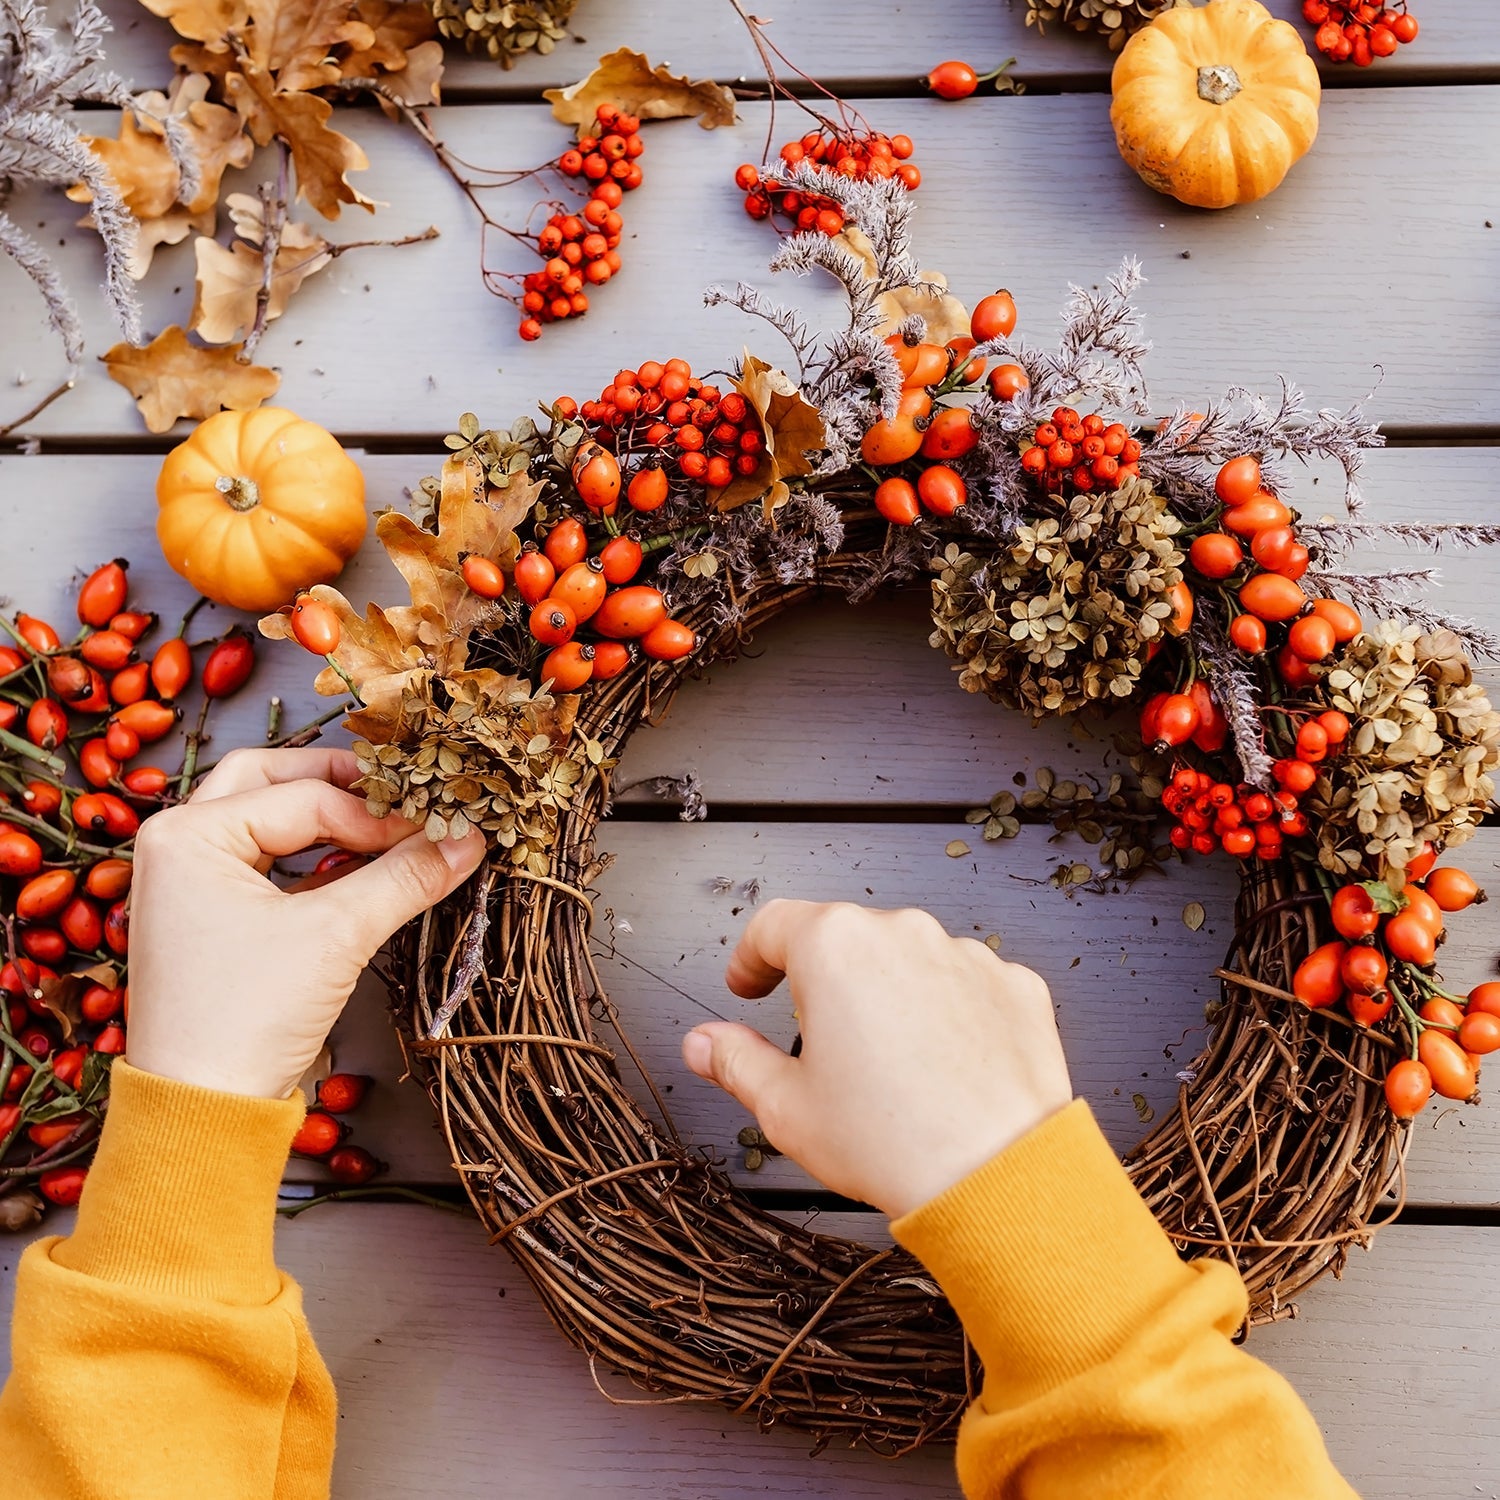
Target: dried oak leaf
(626, 78)
(171, 228)
(419, 83)
(946, 317)
(139, 162)
(293, 40)
(171, 378)
(61, 994)
(395, 29)
(320, 156)
(229, 280)
(207, 21)
(469, 521)
(792, 427)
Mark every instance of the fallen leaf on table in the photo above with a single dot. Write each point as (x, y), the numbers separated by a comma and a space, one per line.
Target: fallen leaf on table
(395, 31)
(626, 78)
(956, 849)
(293, 39)
(218, 139)
(418, 83)
(229, 280)
(320, 156)
(141, 165)
(202, 20)
(171, 378)
(1193, 916)
(792, 427)
(172, 228)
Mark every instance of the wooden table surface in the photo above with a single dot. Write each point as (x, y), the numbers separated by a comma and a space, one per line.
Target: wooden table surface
(839, 757)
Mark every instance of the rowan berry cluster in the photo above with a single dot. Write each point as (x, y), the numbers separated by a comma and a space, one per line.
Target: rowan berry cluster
(1265, 588)
(582, 250)
(664, 416)
(861, 155)
(83, 708)
(1084, 452)
(1359, 31)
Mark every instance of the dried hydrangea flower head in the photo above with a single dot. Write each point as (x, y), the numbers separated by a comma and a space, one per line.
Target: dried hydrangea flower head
(1418, 765)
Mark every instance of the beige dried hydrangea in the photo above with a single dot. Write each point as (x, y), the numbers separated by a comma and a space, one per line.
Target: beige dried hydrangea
(497, 757)
(1419, 761)
(1062, 618)
(1114, 19)
(505, 31)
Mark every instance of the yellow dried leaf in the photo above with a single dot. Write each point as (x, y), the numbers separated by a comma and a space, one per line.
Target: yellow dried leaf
(170, 229)
(141, 165)
(792, 427)
(171, 378)
(946, 317)
(218, 140)
(293, 39)
(626, 78)
(320, 156)
(202, 20)
(229, 280)
(395, 30)
(956, 849)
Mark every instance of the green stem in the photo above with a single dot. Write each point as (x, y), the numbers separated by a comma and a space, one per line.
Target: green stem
(33, 752)
(348, 681)
(57, 836)
(190, 750)
(273, 720)
(193, 609)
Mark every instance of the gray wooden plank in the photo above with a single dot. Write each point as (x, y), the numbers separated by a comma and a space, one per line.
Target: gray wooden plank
(890, 45)
(396, 343)
(445, 1363)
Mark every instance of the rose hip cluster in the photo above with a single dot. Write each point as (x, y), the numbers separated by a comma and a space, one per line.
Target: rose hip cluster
(324, 1132)
(73, 715)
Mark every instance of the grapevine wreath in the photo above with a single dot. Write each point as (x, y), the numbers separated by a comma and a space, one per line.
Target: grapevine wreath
(1295, 715)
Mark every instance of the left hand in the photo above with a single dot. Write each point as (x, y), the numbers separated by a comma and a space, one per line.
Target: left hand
(235, 983)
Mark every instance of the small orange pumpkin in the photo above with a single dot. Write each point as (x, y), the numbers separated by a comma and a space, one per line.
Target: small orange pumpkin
(1213, 104)
(256, 506)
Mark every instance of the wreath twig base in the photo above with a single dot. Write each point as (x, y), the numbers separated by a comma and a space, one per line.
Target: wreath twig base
(651, 1260)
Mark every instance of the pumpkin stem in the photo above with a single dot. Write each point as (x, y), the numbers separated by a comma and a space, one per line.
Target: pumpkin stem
(240, 492)
(1218, 85)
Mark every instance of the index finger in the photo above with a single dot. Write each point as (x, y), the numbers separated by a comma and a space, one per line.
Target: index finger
(248, 770)
(759, 961)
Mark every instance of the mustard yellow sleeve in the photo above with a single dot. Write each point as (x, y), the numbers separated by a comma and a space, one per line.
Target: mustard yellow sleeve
(1108, 1366)
(157, 1352)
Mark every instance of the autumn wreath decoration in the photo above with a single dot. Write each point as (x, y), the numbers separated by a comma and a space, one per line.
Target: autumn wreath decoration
(567, 574)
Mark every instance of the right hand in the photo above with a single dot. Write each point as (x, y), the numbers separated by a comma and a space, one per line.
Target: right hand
(923, 1055)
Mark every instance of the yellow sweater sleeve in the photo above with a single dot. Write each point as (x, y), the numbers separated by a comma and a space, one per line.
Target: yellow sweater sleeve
(157, 1352)
(1108, 1366)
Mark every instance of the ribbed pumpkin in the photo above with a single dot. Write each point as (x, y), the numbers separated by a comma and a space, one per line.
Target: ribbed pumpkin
(1213, 104)
(258, 505)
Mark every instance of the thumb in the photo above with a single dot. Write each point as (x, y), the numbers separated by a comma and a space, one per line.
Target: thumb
(742, 1062)
(388, 892)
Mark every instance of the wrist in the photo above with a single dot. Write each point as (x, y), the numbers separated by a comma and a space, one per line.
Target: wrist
(220, 1072)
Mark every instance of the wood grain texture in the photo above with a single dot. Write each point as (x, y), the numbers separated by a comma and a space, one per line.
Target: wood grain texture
(449, 1372)
(395, 343)
(887, 47)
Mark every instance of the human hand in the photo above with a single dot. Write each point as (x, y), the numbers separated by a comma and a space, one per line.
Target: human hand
(922, 1055)
(235, 983)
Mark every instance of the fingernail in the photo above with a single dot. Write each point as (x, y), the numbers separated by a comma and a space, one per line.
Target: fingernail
(697, 1053)
(460, 852)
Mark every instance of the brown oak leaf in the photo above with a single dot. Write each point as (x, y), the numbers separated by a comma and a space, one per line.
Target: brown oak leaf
(946, 317)
(217, 135)
(471, 519)
(419, 83)
(202, 20)
(172, 228)
(321, 156)
(626, 78)
(293, 39)
(171, 378)
(792, 427)
(396, 29)
(229, 280)
(140, 163)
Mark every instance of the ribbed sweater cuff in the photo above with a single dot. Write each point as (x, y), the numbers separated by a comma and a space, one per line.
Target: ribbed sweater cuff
(1048, 1255)
(182, 1194)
